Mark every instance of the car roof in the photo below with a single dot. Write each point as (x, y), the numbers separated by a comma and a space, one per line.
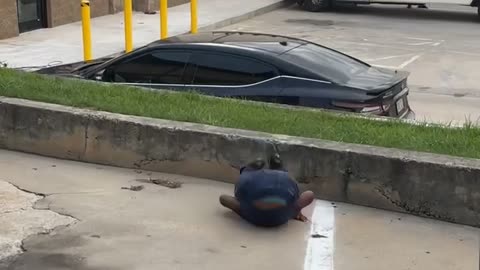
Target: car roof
(275, 44)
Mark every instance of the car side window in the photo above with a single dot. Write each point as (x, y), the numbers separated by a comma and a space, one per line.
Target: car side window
(156, 67)
(225, 69)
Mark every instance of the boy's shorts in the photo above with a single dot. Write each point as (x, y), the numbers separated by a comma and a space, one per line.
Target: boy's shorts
(267, 187)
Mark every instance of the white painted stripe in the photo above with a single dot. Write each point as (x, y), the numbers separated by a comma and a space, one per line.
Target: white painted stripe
(387, 57)
(416, 38)
(320, 249)
(411, 60)
(438, 43)
(383, 66)
(420, 43)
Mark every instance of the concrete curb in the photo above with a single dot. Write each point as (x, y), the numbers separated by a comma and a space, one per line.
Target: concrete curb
(436, 186)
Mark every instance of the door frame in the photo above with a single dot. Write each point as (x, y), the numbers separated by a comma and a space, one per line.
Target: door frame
(37, 24)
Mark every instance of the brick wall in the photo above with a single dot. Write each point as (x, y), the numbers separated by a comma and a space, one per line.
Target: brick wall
(142, 5)
(68, 11)
(116, 6)
(61, 12)
(8, 19)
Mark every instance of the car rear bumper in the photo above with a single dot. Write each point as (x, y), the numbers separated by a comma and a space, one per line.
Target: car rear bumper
(409, 114)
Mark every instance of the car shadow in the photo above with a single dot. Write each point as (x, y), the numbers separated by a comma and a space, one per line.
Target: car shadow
(433, 13)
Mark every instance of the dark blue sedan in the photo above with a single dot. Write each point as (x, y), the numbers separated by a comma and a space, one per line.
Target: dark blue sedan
(254, 66)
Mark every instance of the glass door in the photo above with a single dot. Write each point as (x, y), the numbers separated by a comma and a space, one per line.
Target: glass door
(31, 14)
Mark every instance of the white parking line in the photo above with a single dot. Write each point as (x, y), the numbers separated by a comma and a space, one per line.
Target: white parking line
(383, 66)
(396, 46)
(411, 60)
(415, 38)
(421, 43)
(320, 247)
(438, 43)
(387, 57)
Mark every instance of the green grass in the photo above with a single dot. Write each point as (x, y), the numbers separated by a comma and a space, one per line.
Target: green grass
(191, 107)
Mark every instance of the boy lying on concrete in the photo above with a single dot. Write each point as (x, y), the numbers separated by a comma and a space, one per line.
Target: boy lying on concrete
(267, 196)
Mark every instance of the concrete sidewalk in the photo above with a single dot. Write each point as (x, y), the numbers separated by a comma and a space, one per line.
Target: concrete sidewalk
(63, 44)
(186, 228)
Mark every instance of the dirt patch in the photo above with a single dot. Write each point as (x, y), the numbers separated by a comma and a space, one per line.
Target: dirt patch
(169, 183)
(134, 188)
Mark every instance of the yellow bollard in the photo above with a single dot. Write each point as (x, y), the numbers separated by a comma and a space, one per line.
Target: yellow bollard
(86, 30)
(194, 16)
(163, 19)
(127, 10)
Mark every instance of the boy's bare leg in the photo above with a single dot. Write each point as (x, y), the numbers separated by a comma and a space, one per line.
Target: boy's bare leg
(230, 203)
(306, 198)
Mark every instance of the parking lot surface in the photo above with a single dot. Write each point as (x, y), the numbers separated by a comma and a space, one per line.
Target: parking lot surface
(186, 228)
(440, 46)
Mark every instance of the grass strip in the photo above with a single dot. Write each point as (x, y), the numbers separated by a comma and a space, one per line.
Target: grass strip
(196, 108)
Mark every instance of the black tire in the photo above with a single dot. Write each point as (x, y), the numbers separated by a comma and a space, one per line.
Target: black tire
(315, 5)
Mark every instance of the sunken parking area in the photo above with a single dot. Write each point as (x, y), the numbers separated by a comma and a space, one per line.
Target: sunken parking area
(440, 46)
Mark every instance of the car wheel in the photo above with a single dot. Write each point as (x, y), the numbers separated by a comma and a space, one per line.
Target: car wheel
(315, 5)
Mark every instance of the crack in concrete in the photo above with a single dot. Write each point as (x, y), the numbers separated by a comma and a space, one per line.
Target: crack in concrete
(45, 195)
(22, 246)
(28, 191)
(422, 209)
(46, 230)
(85, 144)
(347, 176)
(14, 211)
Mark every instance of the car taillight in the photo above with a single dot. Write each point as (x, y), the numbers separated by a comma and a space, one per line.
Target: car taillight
(362, 107)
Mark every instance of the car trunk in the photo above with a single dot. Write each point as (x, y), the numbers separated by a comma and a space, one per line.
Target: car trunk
(387, 88)
(376, 80)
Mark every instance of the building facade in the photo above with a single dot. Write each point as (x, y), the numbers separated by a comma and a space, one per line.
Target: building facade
(18, 16)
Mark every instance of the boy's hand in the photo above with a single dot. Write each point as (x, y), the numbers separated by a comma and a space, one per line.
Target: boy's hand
(301, 217)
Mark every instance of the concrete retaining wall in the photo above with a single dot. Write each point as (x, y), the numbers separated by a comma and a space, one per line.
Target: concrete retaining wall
(440, 187)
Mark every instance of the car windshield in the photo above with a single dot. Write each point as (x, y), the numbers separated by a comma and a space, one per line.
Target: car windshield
(328, 64)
